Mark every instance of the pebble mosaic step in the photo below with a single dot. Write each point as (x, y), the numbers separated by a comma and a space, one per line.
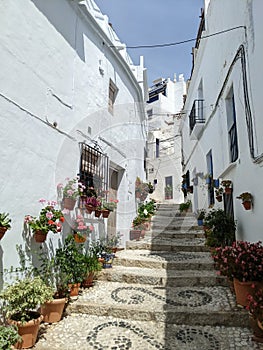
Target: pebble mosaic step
(176, 234)
(162, 277)
(164, 260)
(172, 245)
(207, 305)
(87, 332)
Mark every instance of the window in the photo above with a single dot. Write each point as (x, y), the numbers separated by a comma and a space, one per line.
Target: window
(168, 190)
(157, 148)
(93, 169)
(113, 91)
(231, 126)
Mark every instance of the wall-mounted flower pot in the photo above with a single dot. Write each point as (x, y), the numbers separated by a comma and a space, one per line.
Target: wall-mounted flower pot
(219, 198)
(69, 203)
(247, 205)
(190, 189)
(40, 236)
(2, 231)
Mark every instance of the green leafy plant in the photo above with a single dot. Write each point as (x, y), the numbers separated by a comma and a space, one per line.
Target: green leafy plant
(49, 219)
(71, 260)
(226, 183)
(245, 196)
(8, 336)
(201, 214)
(221, 228)
(185, 206)
(5, 220)
(22, 297)
(110, 205)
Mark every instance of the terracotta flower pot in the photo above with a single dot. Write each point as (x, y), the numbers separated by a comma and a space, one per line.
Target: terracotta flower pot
(40, 236)
(28, 331)
(74, 289)
(105, 213)
(97, 213)
(247, 205)
(2, 231)
(89, 208)
(219, 198)
(242, 289)
(52, 310)
(88, 281)
(228, 190)
(69, 203)
(79, 239)
(135, 235)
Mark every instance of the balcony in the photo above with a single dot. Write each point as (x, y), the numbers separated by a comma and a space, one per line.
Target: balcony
(196, 119)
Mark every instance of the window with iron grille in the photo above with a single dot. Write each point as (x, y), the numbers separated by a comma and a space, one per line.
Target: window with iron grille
(231, 126)
(94, 170)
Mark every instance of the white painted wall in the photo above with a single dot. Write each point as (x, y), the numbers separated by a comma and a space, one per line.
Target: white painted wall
(56, 68)
(215, 67)
(164, 125)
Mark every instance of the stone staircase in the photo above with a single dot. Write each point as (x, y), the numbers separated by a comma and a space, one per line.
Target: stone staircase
(162, 293)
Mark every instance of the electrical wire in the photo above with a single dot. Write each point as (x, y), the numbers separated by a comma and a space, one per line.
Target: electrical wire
(180, 42)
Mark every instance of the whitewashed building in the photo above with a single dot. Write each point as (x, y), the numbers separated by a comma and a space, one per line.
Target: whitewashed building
(67, 87)
(164, 169)
(222, 126)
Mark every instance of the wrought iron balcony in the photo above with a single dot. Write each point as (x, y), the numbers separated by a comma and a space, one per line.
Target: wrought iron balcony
(196, 119)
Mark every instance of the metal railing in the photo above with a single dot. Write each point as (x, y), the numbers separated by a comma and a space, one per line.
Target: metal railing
(197, 114)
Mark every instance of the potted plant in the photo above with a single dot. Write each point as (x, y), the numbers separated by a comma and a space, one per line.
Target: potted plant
(248, 271)
(241, 262)
(80, 229)
(104, 253)
(49, 219)
(150, 187)
(219, 194)
(20, 302)
(108, 206)
(255, 308)
(9, 336)
(50, 271)
(70, 192)
(137, 227)
(220, 228)
(227, 184)
(92, 204)
(92, 267)
(71, 260)
(183, 207)
(4, 224)
(200, 216)
(246, 198)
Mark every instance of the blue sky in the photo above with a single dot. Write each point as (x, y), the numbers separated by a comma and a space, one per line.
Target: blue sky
(150, 22)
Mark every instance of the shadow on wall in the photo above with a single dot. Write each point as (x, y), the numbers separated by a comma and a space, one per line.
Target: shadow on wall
(69, 25)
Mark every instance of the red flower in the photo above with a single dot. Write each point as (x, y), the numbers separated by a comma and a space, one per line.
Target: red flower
(62, 219)
(51, 222)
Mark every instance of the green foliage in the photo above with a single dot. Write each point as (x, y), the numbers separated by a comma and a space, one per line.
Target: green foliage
(71, 260)
(201, 214)
(221, 228)
(185, 206)
(5, 220)
(8, 337)
(146, 210)
(24, 296)
(92, 262)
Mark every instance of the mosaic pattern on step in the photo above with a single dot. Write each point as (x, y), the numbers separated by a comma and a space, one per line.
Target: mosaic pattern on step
(122, 341)
(191, 338)
(181, 256)
(197, 339)
(190, 298)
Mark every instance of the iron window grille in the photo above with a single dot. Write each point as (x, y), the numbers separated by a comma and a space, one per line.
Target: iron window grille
(94, 170)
